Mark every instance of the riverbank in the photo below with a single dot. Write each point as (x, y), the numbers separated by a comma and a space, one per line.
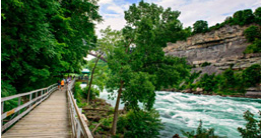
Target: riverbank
(248, 94)
(100, 115)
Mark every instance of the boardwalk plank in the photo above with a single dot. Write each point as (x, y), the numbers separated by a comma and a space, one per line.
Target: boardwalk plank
(48, 120)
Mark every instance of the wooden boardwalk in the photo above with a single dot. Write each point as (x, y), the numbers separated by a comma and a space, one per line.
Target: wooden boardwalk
(48, 120)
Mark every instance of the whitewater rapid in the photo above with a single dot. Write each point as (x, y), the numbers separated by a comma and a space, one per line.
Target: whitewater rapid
(179, 111)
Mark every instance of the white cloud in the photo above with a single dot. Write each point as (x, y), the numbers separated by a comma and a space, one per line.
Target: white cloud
(213, 11)
(100, 2)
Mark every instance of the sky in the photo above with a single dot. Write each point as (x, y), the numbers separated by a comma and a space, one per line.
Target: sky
(213, 11)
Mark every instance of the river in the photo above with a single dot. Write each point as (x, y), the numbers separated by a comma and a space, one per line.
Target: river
(180, 111)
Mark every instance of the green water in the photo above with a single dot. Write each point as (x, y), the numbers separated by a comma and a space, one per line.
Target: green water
(181, 111)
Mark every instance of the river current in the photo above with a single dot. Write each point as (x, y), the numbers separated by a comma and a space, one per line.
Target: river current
(180, 111)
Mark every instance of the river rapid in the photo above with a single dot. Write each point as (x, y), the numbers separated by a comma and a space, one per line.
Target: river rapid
(180, 111)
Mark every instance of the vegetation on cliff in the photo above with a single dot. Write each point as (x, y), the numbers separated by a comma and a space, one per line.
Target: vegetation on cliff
(228, 83)
(242, 17)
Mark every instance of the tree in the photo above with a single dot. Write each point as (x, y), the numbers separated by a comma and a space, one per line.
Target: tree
(105, 47)
(257, 14)
(200, 27)
(243, 17)
(252, 33)
(208, 83)
(252, 76)
(141, 124)
(43, 39)
(138, 65)
(253, 126)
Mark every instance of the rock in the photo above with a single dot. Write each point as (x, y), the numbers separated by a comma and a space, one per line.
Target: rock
(222, 48)
(187, 91)
(176, 136)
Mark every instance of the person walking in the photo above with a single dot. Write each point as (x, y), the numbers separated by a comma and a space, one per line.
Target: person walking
(59, 84)
(62, 84)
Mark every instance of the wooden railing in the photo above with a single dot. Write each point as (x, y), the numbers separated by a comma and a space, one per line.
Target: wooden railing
(78, 120)
(35, 97)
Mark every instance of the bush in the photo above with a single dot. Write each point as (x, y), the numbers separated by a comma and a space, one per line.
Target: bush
(258, 15)
(93, 94)
(200, 27)
(253, 48)
(243, 17)
(140, 124)
(208, 83)
(253, 126)
(201, 133)
(252, 75)
(252, 33)
(205, 64)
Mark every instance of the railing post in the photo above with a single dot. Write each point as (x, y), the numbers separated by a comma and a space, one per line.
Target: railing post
(30, 99)
(2, 111)
(19, 103)
(78, 128)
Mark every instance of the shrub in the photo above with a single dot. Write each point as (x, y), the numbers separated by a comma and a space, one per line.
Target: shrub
(201, 133)
(140, 124)
(200, 27)
(251, 33)
(208, 83)
(205, 64)
(253, 48)
(253, 126)
(252, 75)
(94, 92)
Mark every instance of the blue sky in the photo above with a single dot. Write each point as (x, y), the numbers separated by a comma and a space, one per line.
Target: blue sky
(213, 11)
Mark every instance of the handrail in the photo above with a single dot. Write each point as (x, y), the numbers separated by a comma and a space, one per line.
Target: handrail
(32, 103)
(79, 126)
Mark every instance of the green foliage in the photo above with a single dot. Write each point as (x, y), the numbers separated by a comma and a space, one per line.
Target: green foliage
(79, 95)
(200, 27)
(138, 60)
(252, 33)
(257, 14)
(254, 48)
(107, 122)
(208, 83)
(189, 80)
(201, 133)
(253, 126)
(231, 82)
(8, 90)
(140, 124)
(252, 75)
(95, 92)
(42, 39)
(205, 64)
(243, 17)
(100, 76)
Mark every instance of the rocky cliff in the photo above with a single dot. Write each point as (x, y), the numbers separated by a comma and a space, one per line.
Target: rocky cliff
(222, 48)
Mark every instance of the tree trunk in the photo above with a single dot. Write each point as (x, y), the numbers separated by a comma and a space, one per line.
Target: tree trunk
(90, 85)
(115, 118)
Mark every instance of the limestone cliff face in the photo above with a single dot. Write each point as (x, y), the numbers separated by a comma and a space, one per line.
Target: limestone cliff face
(221, 48)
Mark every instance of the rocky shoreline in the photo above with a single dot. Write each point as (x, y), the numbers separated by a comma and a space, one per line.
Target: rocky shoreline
(248, 94)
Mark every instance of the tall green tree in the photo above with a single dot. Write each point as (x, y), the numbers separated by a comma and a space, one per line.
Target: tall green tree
(42, 39)
(138, 64)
